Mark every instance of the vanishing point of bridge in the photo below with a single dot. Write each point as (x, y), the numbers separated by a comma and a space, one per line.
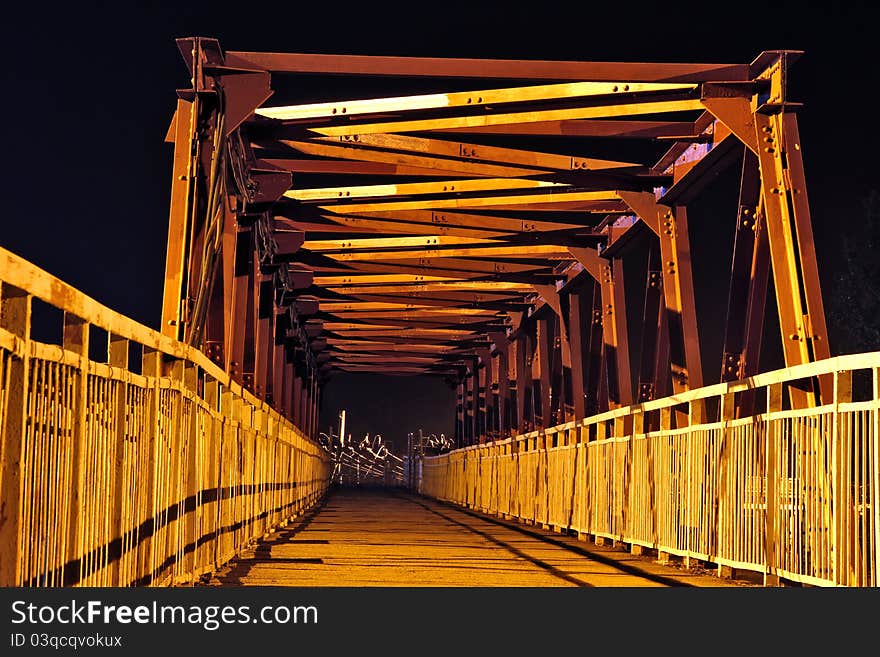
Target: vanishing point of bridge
(473, 220)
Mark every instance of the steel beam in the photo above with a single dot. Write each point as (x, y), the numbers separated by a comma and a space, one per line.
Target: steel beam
(513, 69)
(179, 219)
(671, 227)
(615, 381)
(792, 253)
(652, 323)
(748, 281)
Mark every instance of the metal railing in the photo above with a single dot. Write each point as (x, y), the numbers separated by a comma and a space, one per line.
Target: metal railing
(149, 468)
(789, 493)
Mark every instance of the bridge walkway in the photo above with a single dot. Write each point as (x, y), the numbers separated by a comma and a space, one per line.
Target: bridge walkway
(375, 537)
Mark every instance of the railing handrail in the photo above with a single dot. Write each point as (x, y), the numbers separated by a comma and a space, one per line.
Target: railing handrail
(848, 362)
(40, 284)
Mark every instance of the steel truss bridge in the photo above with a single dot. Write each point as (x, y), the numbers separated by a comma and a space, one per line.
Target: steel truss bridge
(470, 220)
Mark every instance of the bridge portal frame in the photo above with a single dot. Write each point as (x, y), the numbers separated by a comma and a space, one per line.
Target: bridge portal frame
(244, 283)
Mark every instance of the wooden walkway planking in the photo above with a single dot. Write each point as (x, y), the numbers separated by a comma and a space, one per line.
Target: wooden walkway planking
(370, 537)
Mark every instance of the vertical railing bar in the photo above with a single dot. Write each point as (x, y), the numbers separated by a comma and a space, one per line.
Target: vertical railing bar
(874, 438)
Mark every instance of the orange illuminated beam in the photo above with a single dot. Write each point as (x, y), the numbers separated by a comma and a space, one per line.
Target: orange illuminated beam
(466, 99)
(480, 152)
(439, 165)
(543, 198)
(600, 111)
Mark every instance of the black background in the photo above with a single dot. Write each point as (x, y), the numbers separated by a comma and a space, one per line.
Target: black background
(89, 89)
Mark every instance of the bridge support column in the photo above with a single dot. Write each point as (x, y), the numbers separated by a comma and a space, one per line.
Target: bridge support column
(765, 126)
(678, 292)
(228, 279)
(239, 307)
(534, 392)
(544, 339)
(749, 274)
(459, 412)
(297, 416)
(287, 384)
(476, 401)
(185, 159)
(614, 334)
(507, 385)
(499, 378)
(523, 384)
(790, 236)
(500, 385)
(316, 404)
(264, 341)
(654, 352)
(671, 227)
(484, 392)
(615, 383)
(595, 398)
(214, 333)
(276, 392)
(579, 337)
(560, 365)
(305, 424)
(470, 408)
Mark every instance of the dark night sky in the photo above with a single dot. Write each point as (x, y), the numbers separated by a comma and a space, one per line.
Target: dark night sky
(89, 91)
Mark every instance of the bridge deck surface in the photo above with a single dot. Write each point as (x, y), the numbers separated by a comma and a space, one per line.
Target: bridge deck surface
(369, 537)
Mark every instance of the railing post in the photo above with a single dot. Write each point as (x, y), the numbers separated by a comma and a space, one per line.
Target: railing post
(665, 425)
(547, 442)
(503, 380)
(580, 454)
(76, 339)
(875, 493)
(523, 382)
(191, 507)
(774, 404)
(211, 458)
(15, 317)
(152, 368)
(727, 412)
(474, 402)
(638, 427)
(696, 415)
(544, 337)
(118, 357)
(515, 448)
(172, 452)
(842, 394)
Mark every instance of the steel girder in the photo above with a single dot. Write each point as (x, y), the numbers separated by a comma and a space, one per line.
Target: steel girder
(453, 234)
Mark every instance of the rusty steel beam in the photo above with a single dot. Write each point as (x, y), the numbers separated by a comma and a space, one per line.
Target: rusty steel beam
(748, 279)
(792, 253)
(579, 329)
(652, 336)
(616, 373)
(511, 69)
(670, 225)
(179, 220)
